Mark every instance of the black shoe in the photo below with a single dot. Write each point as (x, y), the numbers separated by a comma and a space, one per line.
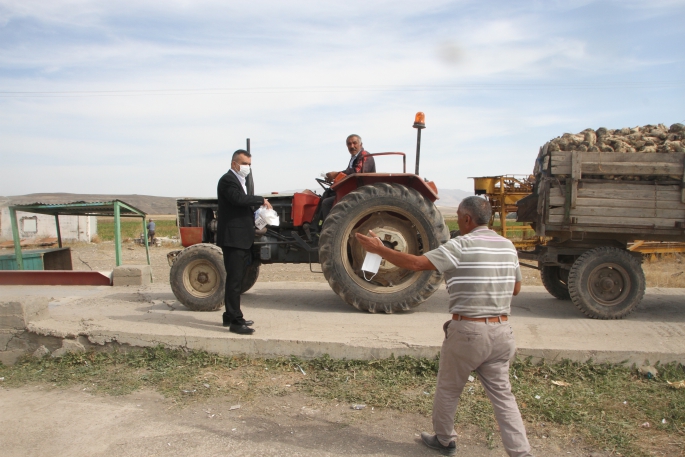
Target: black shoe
(432, 442)
(241, 329)
(248, 323)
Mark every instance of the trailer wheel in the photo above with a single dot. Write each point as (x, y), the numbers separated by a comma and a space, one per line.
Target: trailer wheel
(555, 280)
(405, 221)
(198, 277)
(606, 283)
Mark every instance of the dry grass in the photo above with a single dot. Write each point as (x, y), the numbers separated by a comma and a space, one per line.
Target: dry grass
(602, 405)
(665, 270)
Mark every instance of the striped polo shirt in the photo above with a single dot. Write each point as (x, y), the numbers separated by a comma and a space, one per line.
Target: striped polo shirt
(480, 271)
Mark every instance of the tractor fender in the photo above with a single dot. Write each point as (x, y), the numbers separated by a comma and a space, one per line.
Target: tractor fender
(354, 181)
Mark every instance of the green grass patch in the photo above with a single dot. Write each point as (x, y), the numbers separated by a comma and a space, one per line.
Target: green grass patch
(602, 403)
(132, 228)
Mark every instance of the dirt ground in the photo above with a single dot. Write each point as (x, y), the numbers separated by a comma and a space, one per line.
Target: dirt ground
(44, 420)
(660, 271)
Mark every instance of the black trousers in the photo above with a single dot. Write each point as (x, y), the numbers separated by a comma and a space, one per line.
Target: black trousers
(326, 206)
(236, 261)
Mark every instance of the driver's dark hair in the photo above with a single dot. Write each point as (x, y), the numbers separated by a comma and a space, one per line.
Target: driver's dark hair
(240, 152)
(478, 208)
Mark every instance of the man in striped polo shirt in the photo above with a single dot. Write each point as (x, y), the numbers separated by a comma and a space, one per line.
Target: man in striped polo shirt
(482, 274)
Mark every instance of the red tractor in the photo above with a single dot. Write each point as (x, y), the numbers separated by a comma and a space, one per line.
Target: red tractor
(398, 207)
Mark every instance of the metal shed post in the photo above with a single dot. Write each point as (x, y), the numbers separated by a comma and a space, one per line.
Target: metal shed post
(16, 239)
(59, 233)
(117, 233)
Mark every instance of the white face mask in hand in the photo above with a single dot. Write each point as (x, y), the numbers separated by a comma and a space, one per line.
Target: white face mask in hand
(244, 171)
(372, 262)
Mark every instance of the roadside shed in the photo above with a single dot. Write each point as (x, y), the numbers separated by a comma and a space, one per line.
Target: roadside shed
(115, 208)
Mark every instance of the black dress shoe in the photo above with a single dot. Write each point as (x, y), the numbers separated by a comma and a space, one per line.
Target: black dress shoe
(240, 329)
(432, 442)
(248, 323)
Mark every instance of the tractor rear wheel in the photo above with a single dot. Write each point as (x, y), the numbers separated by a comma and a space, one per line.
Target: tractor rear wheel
(405, 221)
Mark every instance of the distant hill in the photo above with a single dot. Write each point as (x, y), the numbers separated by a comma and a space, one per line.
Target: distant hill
(452, 197)
(151, 204)
(147, 203)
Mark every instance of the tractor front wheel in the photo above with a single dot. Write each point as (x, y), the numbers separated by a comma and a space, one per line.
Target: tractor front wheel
(198, 277)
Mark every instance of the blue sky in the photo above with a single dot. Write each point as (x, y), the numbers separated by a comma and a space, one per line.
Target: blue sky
(152, 97)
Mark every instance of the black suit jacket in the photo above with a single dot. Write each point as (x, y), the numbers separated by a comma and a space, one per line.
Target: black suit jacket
(235, 224)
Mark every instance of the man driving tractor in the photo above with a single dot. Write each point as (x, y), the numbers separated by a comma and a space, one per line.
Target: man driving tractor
(360, 162)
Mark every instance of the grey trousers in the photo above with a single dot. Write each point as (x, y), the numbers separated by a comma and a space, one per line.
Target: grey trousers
(487, 349)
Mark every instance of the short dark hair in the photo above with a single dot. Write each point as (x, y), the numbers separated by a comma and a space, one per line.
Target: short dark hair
(240, 152)
(478, 208)
(353, 135)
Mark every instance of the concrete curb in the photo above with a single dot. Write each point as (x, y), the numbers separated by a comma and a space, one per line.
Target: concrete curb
(308, 320)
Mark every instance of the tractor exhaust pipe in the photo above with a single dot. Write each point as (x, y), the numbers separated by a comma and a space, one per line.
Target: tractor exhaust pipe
(419, 124)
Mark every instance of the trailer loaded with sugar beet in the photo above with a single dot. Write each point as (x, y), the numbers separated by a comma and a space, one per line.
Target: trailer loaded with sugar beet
(398, 207)
(594, 193)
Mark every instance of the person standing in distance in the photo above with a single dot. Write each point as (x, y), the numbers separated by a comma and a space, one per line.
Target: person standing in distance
(482, 274)
(235, 234)
(151, 231)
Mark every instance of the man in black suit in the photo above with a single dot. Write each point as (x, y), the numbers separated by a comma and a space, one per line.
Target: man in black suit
(235, 234)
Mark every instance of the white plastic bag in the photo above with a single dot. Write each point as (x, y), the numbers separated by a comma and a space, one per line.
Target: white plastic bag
(264, 217)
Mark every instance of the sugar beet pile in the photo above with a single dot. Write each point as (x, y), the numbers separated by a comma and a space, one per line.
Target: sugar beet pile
(645, 139)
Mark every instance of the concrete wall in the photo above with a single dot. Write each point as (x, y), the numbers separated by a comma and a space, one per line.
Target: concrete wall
(73, 228)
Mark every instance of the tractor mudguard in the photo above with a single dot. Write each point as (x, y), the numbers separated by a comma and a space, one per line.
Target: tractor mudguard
(354, 181)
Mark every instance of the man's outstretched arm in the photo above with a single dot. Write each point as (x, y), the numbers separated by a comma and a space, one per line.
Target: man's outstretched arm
(400, 259)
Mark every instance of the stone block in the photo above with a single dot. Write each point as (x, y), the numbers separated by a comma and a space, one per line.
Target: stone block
(11, 357)
(11, 322)
(5, 337)
(131, 275)
(41, 352)
(17, 312)
(68, 346)
(19, 342)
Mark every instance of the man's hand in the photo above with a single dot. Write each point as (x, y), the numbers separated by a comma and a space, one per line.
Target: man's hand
(267, 204)
(411, 262)
(370, 243)
(330, 176)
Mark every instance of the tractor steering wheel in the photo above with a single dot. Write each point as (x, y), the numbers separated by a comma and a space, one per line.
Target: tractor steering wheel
(324, 183)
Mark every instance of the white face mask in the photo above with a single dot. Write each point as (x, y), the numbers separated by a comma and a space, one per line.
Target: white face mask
(244, 171)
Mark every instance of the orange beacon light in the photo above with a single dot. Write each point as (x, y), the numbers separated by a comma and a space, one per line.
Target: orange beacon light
(420, 121)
